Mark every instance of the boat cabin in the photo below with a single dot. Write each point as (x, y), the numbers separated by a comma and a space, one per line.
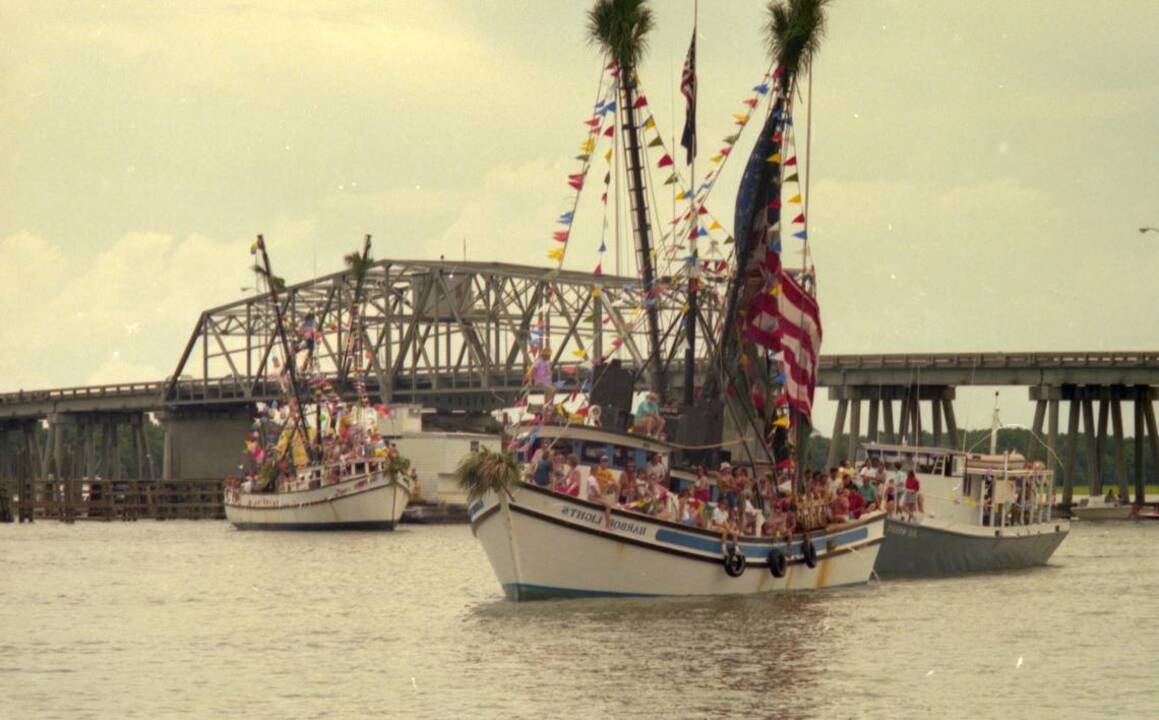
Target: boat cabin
(970, 488)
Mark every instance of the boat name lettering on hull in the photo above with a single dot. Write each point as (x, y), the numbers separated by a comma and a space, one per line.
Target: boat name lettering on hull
(595, 517)
(903, 531)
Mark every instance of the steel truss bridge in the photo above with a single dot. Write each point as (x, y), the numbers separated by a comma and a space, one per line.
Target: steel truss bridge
(450, 335)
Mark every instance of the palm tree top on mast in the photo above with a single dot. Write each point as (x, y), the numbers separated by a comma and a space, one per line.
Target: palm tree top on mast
(795, 29)
(620, 28)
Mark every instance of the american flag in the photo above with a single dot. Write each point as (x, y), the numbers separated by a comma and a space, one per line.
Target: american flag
(688, 90)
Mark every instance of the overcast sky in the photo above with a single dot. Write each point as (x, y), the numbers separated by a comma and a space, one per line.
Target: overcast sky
(979, 169)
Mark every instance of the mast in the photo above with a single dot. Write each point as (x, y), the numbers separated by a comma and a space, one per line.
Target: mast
(994, 428)
(640, 226)
(694, 250)
(300, 421)
(620, 28)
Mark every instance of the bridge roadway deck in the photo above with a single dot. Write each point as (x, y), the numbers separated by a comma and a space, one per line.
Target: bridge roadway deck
(1053, 369)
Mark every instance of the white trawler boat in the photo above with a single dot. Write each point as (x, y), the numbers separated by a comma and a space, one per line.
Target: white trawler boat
(364, 495)
(542, 538)
(545, 544)
(323, 466)
(981, 512)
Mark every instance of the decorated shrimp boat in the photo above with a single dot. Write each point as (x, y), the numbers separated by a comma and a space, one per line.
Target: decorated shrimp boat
(364, 495)
(981, 513)
(544, 544)
(758, 324)
(317, 463)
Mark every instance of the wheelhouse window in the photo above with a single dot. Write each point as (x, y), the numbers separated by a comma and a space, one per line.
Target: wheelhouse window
(590, 453)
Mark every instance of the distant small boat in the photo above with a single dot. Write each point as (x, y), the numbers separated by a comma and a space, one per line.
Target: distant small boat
(1098, 509)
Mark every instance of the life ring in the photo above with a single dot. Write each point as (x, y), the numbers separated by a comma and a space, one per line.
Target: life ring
(810, 552)
(734, 562)
(778, 563)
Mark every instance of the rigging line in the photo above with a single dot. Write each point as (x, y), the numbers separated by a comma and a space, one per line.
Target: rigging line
(808, 173)
(587, 164)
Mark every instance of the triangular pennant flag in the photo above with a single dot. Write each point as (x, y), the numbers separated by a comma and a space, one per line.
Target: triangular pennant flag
(714, 226)
(774, 158)
(729, 240)
(776, 246)
(593, 123)
(791, 161)
(665, 161)
(672, 179)
(656, 142)
(716, 158)
(603, 247)
(702, 232)
(763, 89)
(800, 218)
(560, 236)
(588, 145)
(608, 155)
(555, 253)
(566, 218)
(801, 235)
(610, 131)
(641, 101)
(576, 181)
(732, 138)
(583, 158)
(649, 123)
(775, 204)
(751, 102)
(610, 107)
(607, 177)
(598, 271)
(741, 119)
(779, 71)
(791, 178)
(778, 136)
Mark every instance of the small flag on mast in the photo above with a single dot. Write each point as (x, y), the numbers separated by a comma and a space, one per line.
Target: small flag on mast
(688, 90)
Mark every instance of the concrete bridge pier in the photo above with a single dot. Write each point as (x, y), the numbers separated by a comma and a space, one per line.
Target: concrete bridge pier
(1080, 411)
(203, 443)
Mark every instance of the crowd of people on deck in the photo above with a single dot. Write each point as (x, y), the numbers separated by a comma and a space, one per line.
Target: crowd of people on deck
(731, 501)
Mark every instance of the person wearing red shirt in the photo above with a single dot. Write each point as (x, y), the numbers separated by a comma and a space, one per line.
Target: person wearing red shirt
(912, 486)
(856, 504)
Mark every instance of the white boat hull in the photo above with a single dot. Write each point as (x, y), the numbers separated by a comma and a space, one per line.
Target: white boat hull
(369, 502)
(543, 545)
(1102, 512)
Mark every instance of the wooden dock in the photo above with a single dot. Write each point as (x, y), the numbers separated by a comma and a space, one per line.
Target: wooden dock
(109, 500)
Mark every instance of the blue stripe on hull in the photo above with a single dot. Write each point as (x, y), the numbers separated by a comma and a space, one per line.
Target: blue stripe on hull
(527, 591)
(368, 525)
(919, 551)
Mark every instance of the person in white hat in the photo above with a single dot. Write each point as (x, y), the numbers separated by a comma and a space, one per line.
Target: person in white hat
(647, 418)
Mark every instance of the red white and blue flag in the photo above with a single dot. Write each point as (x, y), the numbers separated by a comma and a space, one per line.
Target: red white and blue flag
(688, 90)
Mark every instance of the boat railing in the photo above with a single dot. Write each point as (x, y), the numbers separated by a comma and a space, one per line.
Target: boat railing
(1015, 497)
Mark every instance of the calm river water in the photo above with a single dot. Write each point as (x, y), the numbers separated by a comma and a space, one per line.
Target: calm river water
(194, 619)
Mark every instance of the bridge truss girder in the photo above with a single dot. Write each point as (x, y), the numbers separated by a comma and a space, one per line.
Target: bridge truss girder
(447, 334)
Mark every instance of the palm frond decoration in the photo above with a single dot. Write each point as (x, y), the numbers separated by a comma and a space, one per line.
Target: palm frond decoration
(359, 263)
(620, 28)
(795, 29)
(276, 283)
(486, 471)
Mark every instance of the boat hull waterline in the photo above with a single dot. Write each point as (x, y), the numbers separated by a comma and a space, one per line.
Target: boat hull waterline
(919, 550)
(373, 502)
(544, 545)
